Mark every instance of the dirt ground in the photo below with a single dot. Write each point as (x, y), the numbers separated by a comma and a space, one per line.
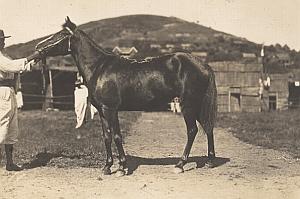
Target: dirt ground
(153, 145)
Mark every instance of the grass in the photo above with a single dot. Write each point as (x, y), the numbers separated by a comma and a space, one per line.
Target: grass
(50, 138)
(276, 130)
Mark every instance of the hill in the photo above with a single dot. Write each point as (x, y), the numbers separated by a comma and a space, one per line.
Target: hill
(142, 31)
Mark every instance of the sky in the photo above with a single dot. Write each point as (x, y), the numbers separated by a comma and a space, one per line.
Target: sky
(260, 21)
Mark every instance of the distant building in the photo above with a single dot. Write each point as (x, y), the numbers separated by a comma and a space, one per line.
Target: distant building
(163, 50)
(125, 51)
(238, 85)
(170, 25)
(237, 42)
(242, 86)
(186, 46)
(240, 44)
(284, 58)
(201, 54)
(158, 46)
(170, 46)
(218, 34)
(249, 55)
(182, 35)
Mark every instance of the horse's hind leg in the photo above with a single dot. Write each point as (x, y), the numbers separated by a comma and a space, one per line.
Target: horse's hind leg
(190, 121)
(208, 128)
(211, 147)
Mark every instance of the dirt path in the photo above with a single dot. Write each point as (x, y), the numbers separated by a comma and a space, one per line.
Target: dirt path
(154, 145)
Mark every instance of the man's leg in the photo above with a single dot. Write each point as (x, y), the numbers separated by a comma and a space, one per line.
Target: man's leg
(12, 136)
(10, 166)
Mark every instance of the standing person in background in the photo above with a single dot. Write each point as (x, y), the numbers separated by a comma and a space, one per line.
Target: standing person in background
(177, 104)
(8, 106)
(83, 108)
(80, 103)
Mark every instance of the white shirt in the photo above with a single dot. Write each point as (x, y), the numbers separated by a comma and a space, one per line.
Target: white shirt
(8, 67)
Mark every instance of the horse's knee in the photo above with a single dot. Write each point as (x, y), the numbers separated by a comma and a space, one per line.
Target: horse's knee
(193, 130)
(117, 138)
(107, 137)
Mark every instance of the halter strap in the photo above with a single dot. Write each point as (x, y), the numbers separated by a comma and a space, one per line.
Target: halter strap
(69, 46)
(72, 33)
(69, 30)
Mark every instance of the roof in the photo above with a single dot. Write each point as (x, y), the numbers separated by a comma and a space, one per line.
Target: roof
(186, 45)
(155, 46)
(199, 53)
(235, 66)
(170, 45)
(124, 50)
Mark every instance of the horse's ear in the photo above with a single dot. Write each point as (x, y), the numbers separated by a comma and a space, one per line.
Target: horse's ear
(67, 19)
(68, 23)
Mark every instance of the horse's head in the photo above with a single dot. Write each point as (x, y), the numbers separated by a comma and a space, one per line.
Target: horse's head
(58, 43)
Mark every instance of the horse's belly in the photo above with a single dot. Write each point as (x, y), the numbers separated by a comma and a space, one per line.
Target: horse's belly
(145, 101)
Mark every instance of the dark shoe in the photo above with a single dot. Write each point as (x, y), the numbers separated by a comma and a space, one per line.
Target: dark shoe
(13, 167)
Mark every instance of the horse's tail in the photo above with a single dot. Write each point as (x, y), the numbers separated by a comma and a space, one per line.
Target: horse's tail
(208, 109)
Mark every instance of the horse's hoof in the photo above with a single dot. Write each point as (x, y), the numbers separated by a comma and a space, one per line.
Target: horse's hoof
(178, 170)
(120, 173)
(106, 171)
(209, 165)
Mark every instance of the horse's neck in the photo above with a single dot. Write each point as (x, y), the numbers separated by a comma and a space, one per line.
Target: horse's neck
(88, 56)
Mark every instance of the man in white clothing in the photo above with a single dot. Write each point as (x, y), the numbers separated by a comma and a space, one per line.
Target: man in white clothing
(8, 104)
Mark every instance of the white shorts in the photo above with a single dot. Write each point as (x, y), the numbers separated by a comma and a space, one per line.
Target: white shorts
(9, 129)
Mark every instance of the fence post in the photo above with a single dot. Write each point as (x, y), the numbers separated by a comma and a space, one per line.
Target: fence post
(48, 103)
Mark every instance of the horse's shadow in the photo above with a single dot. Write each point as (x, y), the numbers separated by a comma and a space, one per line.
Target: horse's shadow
(133, 162)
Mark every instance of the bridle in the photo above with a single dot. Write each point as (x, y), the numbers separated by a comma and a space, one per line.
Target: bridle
(69, 43)
(46, 48)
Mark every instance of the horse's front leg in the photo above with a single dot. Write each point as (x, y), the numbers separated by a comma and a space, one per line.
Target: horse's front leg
(107, 136)
(114, 126)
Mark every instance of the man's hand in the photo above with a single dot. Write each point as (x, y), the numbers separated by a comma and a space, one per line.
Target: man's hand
(36, 56)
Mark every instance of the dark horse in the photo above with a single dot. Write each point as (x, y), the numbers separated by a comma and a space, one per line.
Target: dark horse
(113, 81)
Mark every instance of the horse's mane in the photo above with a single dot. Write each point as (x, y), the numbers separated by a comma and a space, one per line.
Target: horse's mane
(94, 44)
(147, 60)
